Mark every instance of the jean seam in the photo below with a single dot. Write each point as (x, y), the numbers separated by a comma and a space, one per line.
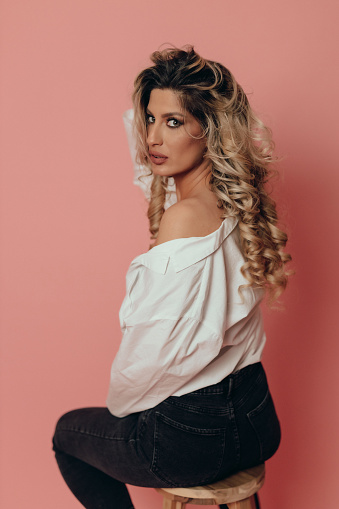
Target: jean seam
(153, 468)
(105, 437)
(198, 410)
(258, 380)
(190, 429)
(235, 432)
(202, 392)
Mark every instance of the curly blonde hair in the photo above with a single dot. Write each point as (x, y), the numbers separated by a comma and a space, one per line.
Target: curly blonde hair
(239, 147)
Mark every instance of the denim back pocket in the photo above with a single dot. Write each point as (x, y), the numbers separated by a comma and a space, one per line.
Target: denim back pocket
(266, 425)
(184, 455)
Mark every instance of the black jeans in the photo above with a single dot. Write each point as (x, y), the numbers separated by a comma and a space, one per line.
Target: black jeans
(184, 441)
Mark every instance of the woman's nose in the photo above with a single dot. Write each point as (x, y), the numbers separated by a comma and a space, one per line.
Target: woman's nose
(154, 134)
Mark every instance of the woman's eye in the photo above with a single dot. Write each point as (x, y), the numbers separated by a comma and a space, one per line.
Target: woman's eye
(173, 122)
(150, 119)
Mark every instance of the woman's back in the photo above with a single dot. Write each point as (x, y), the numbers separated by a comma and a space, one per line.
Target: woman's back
(196, 216)
(184, 323)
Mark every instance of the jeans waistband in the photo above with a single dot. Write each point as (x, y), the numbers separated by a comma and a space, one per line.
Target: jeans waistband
(232, 381)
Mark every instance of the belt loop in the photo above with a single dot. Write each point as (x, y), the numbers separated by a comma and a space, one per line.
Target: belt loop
(230, 385)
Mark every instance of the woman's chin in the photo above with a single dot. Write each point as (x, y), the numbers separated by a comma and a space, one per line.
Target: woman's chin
(161, 170)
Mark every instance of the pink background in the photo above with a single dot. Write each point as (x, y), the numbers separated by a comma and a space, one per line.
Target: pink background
(72, 221)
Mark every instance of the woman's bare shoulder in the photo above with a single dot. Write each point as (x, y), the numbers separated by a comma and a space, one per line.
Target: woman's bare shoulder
(187, 218)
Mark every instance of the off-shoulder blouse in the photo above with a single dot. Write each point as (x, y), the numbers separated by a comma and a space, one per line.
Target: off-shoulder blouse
(184, 324)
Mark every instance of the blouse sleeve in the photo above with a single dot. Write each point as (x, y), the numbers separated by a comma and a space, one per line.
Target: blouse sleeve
(164, 343)
(141, 177)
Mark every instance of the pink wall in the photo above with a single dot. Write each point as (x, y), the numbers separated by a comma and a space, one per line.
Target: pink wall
(72, 220)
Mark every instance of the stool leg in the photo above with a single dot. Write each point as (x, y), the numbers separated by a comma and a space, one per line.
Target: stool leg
(257, 501)
(248, 503)
(173, 504)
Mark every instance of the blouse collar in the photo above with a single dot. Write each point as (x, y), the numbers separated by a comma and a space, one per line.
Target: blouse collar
(186, 251)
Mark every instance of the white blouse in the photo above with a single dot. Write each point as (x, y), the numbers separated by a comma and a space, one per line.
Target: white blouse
(183, 321)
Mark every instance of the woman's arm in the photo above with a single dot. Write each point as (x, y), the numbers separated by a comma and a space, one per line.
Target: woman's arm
(156, 358)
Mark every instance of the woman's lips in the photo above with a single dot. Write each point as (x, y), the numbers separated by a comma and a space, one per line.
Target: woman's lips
(157, 158)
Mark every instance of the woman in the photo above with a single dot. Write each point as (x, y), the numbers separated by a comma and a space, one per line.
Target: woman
(188, 400)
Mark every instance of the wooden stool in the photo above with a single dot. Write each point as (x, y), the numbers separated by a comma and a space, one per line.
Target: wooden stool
(236, 491)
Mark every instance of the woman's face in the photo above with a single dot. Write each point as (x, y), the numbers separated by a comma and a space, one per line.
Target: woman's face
(172, 151)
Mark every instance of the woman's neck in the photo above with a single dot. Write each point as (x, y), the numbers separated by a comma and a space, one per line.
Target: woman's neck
(194, 182)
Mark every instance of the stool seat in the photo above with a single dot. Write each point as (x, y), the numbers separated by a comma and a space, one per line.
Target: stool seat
(237, 491)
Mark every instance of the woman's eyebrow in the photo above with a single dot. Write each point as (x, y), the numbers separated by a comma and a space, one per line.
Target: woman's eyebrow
(171, 113)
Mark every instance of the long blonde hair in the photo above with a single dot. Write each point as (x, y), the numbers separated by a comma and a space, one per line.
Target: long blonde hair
(239, 147)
